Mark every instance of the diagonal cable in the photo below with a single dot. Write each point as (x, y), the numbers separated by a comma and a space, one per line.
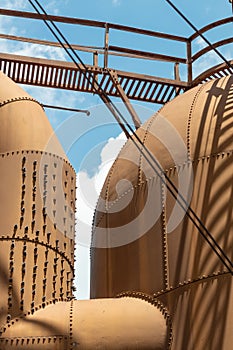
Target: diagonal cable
(83, 70)
(189, 212)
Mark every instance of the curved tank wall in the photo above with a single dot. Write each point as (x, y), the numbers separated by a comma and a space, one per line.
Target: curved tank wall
(141, 240)
(37, 216)
(37, 192)
(173, 291)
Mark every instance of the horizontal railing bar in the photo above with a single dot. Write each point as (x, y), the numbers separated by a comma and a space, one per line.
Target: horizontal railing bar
(213, 70)
(151, 78)
(146, 54)
(92, 49)
(113, 50)
(211, 26)
(91, 23)
(208, 48)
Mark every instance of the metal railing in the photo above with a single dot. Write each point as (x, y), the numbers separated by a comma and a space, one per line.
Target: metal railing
(108, 49)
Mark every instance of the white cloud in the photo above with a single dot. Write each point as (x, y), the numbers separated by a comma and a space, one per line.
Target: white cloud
(46, 96)
(52, 8)
(14, 4)
(210, 59)
(116, 2)
(20, 48)
(7, 23)
(200, 43)
(26, 49)
(88, 190)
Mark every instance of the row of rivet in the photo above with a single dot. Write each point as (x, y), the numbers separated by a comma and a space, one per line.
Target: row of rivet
(34, 175)
(23, 273)
(69, 281)
(33, 223)
(44, 213)
(25, 314)
(46, 262)
(167, 171)
(23, 192)
(62, 278)
(55, 274)
(45, 189)
(191, 281)
(141, 153)
(71, 324)
(10, 281)
(188, 132)
(25, 152)
(197, 160)
(164, 237)
(16, 99)
(26, 232)
(157, 304)
(36, 241)
(32, 340)
(35, 267)
(54, 190)
(68, 293)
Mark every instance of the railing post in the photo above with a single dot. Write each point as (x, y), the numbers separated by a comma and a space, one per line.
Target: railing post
(177, 74)
(177, 71)
(95, 75)
(95, 59)
(189, 62)
(106, 41)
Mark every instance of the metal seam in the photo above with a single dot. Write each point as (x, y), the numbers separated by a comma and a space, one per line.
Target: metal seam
(108, 185)
(11, 153)
(141, 148)
(6, 326)
(203, 158)
(114, 164)
(164, 237)
(188, 132)
(32, 340)
(191, 281)
(17, 99)
(156, 303)
(33, 241)
(109, 175)
(10, 281)
(71, 325)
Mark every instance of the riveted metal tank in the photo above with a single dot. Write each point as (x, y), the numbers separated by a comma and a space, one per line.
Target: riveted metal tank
(37, 192)
(144, 242)
(37, 209)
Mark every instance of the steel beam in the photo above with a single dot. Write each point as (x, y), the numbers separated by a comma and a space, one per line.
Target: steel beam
(131, 110)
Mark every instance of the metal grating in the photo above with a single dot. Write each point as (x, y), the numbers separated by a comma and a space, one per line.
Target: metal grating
(65, 75)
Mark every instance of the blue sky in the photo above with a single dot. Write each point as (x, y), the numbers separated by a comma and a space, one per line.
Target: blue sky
(93, 142)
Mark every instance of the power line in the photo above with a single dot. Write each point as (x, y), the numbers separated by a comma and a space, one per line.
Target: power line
(189, 212)
(199, 33)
